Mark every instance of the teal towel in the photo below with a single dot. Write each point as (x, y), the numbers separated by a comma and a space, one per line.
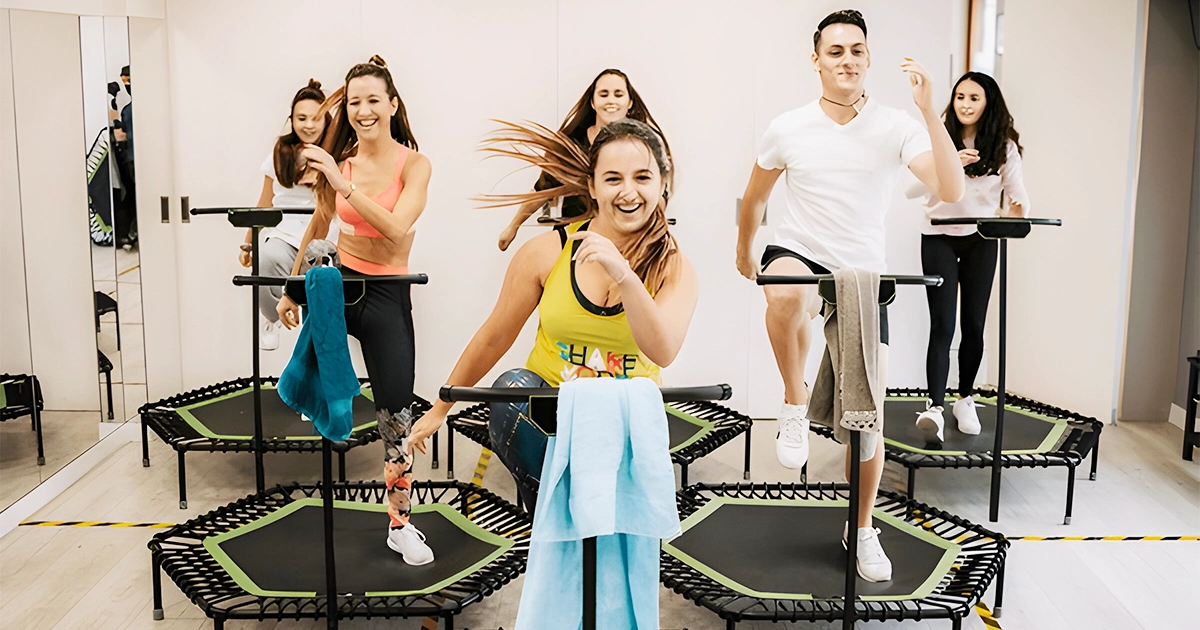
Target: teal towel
(607, 474)
(319, 380)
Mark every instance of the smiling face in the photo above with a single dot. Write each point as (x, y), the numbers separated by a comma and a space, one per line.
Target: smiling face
(610, 99)
(842, 58)
(969, 102)
(626, 184)
(306, 122)
(369, 108)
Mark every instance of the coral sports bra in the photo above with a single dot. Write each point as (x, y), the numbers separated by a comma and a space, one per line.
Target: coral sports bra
(352, 222)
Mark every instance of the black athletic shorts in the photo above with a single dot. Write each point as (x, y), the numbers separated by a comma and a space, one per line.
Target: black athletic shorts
(774, 252)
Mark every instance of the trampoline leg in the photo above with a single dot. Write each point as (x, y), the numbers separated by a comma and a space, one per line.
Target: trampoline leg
(1095, 457)
(957, 623)
(1070, 493)
(156, 579)
(746, 466)
(341, 465)
(450, 453)
(108, 381)
(218, 623)
(434, 464)
(37, 427)
(683, 479)
(730, 624)
(912, 491)
(145, 446)
(804, 474)
(182, 483)
(998, 604)
(449, 622)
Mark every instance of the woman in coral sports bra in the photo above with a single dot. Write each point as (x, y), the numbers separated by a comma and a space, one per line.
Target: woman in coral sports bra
(377, 187)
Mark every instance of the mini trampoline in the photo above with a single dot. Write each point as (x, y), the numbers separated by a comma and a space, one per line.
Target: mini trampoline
(263, 557)
(696, 429)
(220, 418)
(1036, 435)
(769, 552)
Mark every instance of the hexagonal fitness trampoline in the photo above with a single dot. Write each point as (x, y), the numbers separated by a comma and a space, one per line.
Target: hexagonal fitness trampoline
(220, 418)
(696, 428)
(770, 552)
(1036, 435)
(263, 557)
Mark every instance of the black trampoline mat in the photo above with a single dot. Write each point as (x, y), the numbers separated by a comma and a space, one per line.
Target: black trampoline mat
(231, 417)
(1024, 431)
(284, 554)
(793, 550)
(683, 429)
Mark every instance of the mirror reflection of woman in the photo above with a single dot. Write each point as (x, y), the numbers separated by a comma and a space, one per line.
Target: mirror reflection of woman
(989, 147)
(377, 186)
(609, 98)
(613, 292)
(287, 183)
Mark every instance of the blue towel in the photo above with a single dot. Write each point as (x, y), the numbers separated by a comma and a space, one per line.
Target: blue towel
(607, 474)
(319, 380)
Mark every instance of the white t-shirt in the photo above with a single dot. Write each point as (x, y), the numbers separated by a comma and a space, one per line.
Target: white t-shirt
(982, 196)
(291, 229)
(840, 180)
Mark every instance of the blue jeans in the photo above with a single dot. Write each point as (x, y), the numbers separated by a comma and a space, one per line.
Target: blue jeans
(519, 444)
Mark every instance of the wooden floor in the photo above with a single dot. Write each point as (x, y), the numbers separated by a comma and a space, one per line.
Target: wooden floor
(100, 577)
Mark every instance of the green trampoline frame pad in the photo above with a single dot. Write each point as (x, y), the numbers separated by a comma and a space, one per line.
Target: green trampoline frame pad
(1053, 436)
(704, 428)
(190, 418)
(213, 545)
(949, 554)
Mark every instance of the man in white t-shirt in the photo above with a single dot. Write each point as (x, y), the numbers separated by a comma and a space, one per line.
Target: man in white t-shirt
(841, 154)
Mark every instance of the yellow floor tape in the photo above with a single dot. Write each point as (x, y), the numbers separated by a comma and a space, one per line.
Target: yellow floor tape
(986, 615)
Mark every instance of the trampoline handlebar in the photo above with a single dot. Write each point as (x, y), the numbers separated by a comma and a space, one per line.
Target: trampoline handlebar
(454, 393)
(929, 281)
(227, 210)
(272, 281)
(994, 220)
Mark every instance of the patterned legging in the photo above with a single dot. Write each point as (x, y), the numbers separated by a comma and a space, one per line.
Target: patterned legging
(397, 463)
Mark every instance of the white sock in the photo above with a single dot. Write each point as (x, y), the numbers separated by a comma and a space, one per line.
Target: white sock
(793, 411)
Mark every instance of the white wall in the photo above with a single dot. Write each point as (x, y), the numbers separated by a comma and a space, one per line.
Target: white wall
(49, 115)
(1164, 201)
(14, 318)
(1189, 327)
(711, 104)
(132, 8)
(94, 75)
(1072, 81)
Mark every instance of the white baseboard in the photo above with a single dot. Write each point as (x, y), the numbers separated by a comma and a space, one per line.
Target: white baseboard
(1176, 417)
(41, 496)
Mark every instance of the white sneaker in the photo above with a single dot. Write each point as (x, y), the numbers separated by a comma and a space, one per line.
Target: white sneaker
(930, 423)
(791, 443)
(268, 337)
(968, 419)
(873, 564)
(409, 542)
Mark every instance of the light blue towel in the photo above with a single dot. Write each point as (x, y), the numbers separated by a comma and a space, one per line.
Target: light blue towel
(319, 380)
(608, 474)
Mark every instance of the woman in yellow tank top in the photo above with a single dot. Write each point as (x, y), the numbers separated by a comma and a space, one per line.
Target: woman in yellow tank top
(613, 292)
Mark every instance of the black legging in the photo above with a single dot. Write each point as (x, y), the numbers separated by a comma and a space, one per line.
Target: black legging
(969, 261)
(382, 322)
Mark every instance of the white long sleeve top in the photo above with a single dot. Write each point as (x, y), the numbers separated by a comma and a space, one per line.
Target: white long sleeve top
(981, 197)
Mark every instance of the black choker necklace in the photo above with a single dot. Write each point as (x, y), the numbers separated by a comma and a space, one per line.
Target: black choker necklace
(851, 105)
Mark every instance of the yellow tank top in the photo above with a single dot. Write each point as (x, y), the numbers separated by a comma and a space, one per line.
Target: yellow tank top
(578, 339)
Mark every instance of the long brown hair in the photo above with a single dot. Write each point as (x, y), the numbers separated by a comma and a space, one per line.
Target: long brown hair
(341, 142)
(651, 255)
(993, 131)
(287, 171)
(583, 114)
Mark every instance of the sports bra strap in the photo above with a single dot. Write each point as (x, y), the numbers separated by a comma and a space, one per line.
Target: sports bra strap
(562, 234)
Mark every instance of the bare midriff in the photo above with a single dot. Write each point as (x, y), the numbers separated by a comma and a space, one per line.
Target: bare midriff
(375, 256)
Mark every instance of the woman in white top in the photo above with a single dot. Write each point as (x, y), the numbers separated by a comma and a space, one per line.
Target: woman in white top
(287, 183)
(989, 147)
